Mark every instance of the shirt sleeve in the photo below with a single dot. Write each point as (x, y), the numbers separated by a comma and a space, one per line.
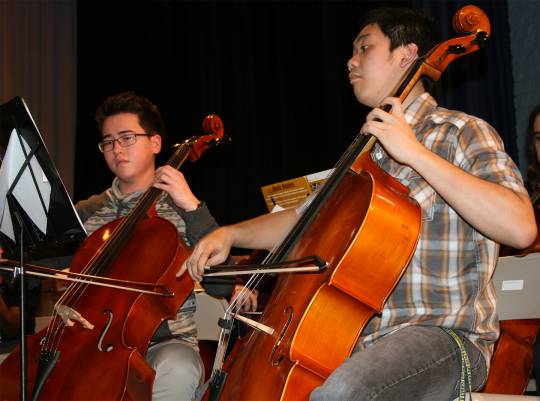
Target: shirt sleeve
(86, 208)
(480, 151)
(199, 222)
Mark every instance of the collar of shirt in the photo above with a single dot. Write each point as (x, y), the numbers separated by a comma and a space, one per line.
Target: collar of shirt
(115, 187)
(419, 108)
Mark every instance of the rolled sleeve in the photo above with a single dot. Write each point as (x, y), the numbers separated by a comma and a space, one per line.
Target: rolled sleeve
(481, 152)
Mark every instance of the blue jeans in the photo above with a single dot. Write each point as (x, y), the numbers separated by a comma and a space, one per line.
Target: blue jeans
(415, 363)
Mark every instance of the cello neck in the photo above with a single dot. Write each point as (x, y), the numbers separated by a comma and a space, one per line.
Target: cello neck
(191, 148)
(474, 27)
(152, 194)
(124, 231)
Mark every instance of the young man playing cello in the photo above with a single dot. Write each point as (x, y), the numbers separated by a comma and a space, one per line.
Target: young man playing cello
(455, 167)
(131, 128)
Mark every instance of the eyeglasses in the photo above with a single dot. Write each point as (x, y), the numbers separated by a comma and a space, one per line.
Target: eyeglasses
(124, 141)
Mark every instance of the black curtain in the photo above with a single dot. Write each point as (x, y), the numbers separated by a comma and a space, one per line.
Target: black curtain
(274, 71)
(480, 84)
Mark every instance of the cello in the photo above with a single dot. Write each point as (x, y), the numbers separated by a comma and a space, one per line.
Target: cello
(106, 361)
(365, 227)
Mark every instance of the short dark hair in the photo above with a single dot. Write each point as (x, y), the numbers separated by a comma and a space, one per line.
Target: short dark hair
(129, 102)
(533, 166)
(404, 26)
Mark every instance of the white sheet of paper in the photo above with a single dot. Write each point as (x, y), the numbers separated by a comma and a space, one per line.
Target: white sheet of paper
(25, 191)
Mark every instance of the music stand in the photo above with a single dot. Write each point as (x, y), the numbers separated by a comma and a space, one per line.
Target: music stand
(37, 218)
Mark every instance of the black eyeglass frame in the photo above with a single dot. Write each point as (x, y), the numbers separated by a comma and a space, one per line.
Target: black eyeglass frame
(130, 142)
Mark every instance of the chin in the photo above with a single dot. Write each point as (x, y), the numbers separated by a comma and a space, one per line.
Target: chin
(123, 175)
(362, 99)
(361, 96)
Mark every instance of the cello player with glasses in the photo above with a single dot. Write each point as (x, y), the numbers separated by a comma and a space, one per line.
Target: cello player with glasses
(441, 318)
(131, 129)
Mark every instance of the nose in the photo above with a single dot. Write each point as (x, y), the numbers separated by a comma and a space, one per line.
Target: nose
(352, 63)
(116, 147)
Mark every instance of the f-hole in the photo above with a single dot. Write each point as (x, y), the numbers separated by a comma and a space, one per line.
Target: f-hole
(109, 347)
(274, 361)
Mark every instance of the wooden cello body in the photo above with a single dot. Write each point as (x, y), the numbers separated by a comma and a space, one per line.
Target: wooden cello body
(107, 362)
(326, 312)
(512, 361)
(365, 226)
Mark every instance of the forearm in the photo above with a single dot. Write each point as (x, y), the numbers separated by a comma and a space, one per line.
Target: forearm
(497, 212)
(263, 232)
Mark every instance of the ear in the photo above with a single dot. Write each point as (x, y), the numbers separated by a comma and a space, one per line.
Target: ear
(409, 53)
(155, 141)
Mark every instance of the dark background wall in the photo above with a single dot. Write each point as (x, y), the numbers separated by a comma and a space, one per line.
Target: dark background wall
(274, 71)
(524, 38)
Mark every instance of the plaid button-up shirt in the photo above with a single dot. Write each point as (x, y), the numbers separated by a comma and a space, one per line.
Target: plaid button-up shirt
(448, 281)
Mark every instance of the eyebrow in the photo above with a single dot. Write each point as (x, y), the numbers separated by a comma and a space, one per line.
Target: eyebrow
(360, 37)
(126, 131)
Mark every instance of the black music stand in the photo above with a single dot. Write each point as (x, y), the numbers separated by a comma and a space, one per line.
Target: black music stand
(37, 217)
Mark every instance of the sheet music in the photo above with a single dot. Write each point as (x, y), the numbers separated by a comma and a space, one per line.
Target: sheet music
(25, 191)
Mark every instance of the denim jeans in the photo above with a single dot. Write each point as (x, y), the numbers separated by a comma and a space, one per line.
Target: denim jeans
(179, 371)
(414, 363)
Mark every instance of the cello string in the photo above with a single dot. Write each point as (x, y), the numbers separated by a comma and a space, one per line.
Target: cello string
(274, 254)
(55, 328)
(76, 291)
(224, 335)
(249, 286)
(69, 297)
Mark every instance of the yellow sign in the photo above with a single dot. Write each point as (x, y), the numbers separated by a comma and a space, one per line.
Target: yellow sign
(291, 193)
